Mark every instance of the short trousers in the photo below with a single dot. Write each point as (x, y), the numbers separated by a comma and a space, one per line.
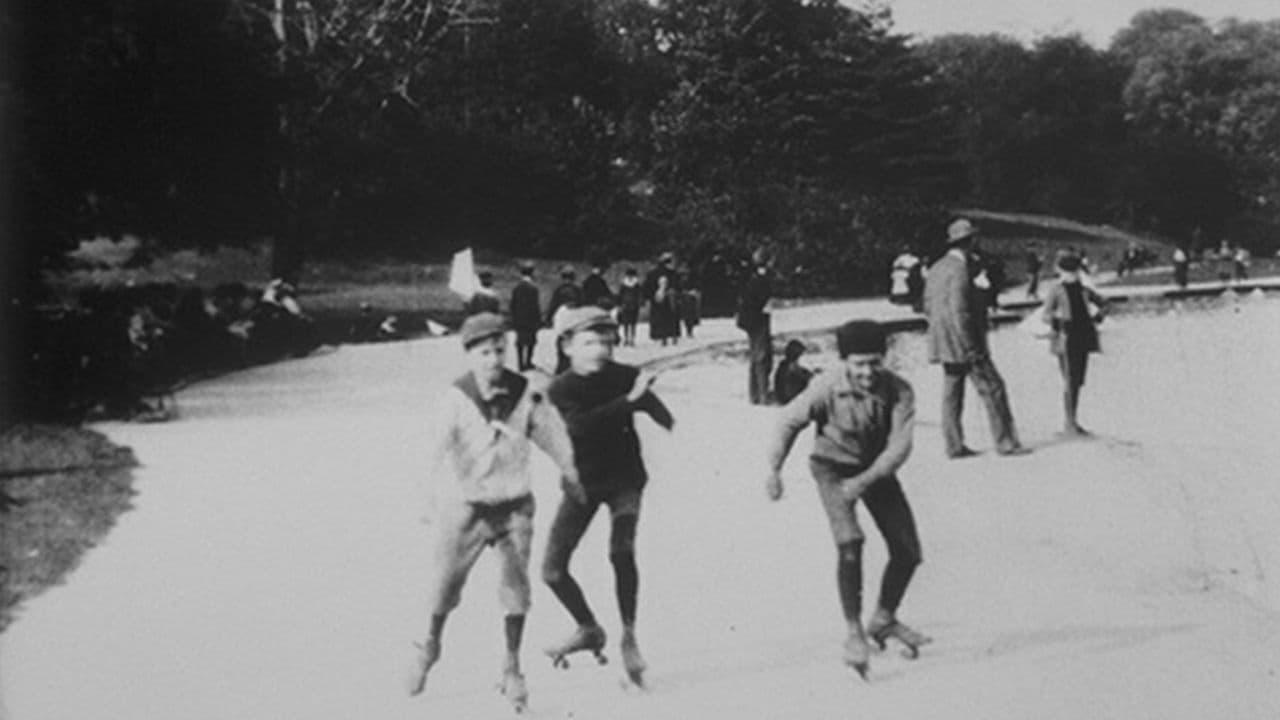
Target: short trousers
(464, 533)
(885, 502)
(573, 518)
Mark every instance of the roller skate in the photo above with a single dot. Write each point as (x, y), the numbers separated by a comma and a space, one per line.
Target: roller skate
(632, 661)
(428, 654)
(590, 638)
(857, 653)
(884, 625)
(513, 688)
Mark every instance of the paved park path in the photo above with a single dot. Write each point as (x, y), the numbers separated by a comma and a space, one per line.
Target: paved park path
(272, 566)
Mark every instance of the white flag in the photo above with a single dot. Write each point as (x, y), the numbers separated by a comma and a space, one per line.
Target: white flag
(462, 275)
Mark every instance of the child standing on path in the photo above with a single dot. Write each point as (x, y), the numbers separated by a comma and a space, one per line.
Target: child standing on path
(629, 302)
(481, 448)
(1075, 334)
(598, 398)
(864, 415)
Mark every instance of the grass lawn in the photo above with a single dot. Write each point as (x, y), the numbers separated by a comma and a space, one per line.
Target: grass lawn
(63, 489)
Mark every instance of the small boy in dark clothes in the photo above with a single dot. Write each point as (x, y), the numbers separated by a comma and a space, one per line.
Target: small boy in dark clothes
(791, 377)
(864, 416)
(630, 298)
(597, 398)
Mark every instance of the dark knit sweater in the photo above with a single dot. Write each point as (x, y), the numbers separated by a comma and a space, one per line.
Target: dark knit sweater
(599, 416)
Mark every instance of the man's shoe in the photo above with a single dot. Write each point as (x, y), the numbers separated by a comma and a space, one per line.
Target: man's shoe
(1016, 450)
(963, 452)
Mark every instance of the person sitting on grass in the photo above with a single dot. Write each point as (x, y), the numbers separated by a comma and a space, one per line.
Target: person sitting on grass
(481, 450)
(1075, 333)
(791, 378)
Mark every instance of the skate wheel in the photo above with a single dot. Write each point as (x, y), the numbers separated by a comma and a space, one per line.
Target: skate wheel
(911, 653)
(560, 663)
(601, 659)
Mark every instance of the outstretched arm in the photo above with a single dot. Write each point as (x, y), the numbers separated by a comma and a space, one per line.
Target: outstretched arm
(657, 410)
(803, 409)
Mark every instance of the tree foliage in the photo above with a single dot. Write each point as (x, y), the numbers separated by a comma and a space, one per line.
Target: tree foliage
(573, 127)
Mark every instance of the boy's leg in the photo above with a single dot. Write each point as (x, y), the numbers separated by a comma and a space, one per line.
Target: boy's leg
(459, 541)
(624, 510)
(848, 537)
(891, 512)
(514, 548)
(571, 521)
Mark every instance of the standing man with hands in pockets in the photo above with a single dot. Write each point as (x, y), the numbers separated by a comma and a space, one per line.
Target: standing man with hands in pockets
(957, 311)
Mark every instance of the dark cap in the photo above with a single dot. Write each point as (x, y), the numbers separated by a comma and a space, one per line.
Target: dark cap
(1068, 261)
(481, 326)
(860, 337)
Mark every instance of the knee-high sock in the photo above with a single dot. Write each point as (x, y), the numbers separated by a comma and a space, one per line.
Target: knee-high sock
(897, 575)
(849, 579)
(626, 575)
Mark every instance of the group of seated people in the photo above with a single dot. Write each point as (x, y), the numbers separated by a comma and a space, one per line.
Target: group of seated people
(120, 352)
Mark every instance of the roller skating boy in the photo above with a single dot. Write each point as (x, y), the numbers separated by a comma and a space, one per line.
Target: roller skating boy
(864, 416)
(598, 398)
(481, 450)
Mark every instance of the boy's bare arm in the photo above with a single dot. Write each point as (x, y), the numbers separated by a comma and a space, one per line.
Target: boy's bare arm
(896, 450)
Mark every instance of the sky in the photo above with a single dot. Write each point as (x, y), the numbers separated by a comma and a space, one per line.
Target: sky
(1096, 20)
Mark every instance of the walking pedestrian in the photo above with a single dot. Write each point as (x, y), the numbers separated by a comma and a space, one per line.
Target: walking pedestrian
(957, 311)
(481, 462)
(754, 319)
(566, 296)
(598, 398)
(1033, 275)
(865, 416)
(595, 289)
(629, 301)
(1181, 264)
(526, 316)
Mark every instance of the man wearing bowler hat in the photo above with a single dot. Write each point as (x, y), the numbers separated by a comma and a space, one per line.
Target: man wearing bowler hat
(957, 312)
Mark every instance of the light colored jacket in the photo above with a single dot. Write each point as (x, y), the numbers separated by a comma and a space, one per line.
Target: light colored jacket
(487, 460)
(1057, 313)
(957, 311)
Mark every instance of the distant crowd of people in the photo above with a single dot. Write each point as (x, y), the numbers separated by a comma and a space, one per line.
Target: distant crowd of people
(120, 352)
(672, 300)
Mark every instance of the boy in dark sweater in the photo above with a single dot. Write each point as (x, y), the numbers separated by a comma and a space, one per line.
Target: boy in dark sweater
(791, 377)
(864, 416)
(597, 398)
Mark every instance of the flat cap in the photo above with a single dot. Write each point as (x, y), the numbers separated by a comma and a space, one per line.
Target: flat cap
(481, 326)
(583, 318)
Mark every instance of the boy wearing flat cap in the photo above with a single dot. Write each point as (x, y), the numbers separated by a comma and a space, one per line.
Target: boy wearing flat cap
(864, 416)
(481, 456)
(598, 398)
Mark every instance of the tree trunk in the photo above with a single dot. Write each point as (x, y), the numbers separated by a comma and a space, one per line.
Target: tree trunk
(286, 249)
